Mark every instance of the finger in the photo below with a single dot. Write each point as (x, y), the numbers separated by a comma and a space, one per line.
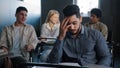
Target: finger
(67, 27)
(4, 48)
(65, 23)
(29, 48)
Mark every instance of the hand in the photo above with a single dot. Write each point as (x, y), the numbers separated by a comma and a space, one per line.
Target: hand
(29, 47)
(5, 49)
(42, 39)
(63, 28)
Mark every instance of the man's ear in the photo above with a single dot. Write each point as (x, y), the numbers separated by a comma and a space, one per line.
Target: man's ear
(80, 19)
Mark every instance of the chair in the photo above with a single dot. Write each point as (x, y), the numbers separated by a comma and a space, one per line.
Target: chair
(40, 48)
(116, 55)
(31, 53)
(109, 38)
(110, 44)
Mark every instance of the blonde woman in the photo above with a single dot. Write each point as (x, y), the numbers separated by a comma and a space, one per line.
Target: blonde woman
(49, 31)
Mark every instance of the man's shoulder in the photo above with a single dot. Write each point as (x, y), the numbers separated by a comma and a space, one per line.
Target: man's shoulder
(92, 34)
(28, 25)
(102, 24)
(7, 26)
(91, 31)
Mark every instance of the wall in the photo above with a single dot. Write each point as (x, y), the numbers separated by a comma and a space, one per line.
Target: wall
(8, 8)
(111, 17)
(115, 9)
(107, 17)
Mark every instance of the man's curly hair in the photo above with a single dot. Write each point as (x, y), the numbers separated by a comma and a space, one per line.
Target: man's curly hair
(70, 10)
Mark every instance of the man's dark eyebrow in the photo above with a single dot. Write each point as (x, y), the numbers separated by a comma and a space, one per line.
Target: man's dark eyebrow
(74, 21)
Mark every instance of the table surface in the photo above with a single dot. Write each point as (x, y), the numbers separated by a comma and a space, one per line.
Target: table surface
(61, 65)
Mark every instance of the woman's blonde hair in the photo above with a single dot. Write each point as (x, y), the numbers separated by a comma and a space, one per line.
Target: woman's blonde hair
(51, 13)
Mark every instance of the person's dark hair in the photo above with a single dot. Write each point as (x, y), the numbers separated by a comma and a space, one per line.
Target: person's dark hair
(70, 10)
(21, 8)
(96, 12)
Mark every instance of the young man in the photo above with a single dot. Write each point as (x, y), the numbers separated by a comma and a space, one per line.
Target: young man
(95, 23)
(77, 43)
(19, 38)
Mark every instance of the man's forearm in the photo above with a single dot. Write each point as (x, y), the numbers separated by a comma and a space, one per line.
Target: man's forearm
(105, 61)
(56, 53)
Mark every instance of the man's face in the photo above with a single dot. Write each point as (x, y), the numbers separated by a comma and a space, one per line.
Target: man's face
(21, 16)
(94, 18)
(74, 23)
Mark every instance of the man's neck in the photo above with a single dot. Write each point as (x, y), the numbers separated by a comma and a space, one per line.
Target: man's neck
(18, 24)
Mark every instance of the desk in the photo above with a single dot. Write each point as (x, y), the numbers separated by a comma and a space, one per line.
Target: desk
(41, 46)
(54, 65)
(116, 55)
(96, 66)
(47, 40)
(63, 65)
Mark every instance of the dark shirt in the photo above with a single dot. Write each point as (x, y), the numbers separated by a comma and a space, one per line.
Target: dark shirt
(89, 47)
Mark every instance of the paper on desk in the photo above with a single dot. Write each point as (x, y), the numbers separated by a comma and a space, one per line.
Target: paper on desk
(63, 63)
(69, 64)
(50, 41)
